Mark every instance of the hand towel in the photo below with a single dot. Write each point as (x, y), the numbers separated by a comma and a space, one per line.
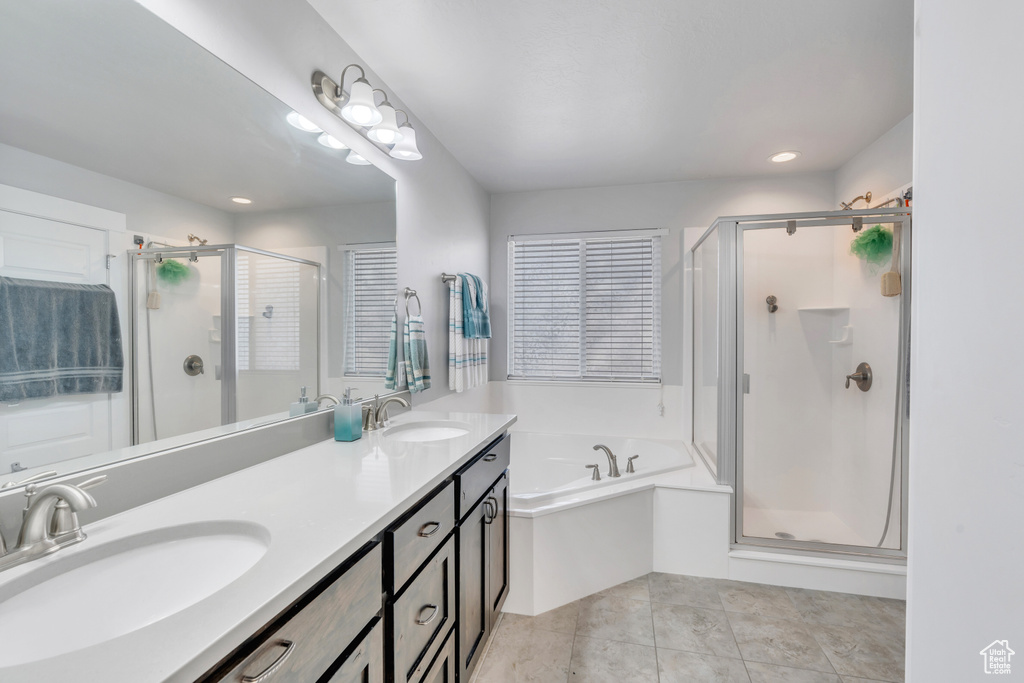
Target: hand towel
(58, 339)
(475, 315)
(389, 379)
(467, 358)
(417, 367)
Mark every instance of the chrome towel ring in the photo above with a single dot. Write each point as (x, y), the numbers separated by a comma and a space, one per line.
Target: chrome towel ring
(411, 294)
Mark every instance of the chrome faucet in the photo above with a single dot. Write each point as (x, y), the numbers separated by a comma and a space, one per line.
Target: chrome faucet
(35, 539)
(613, 463)
(328, 397)
(378, 412)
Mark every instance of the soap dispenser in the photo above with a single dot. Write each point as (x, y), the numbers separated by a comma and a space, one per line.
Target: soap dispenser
(348, 419)
(302, 406)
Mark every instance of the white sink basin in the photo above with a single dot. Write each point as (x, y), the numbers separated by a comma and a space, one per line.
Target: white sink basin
(97, 594)
(427, 430)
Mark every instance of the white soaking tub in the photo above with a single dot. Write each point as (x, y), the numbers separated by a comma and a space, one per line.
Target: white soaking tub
(550, 468)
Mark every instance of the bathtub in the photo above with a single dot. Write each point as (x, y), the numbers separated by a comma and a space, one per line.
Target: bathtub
(548, 468)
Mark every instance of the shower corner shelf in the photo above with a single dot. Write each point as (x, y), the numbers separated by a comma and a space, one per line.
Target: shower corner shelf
(847, 337)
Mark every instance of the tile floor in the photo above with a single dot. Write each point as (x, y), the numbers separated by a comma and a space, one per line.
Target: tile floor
(666, 628)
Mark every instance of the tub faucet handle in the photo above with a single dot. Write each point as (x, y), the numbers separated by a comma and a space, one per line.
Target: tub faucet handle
(596, 476)
(629, 464)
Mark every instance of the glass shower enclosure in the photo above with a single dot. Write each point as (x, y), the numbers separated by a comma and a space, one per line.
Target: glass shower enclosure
(221, 334)
(800, 377)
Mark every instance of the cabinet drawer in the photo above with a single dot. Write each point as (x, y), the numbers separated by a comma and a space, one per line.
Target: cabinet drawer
(443, 668)
(305, 646)
(422, 615)
(412, 542)
(476, 478)
(366, 663)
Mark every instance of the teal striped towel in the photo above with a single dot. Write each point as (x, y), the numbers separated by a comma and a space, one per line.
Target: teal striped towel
(389, 379)
(417, 367)
(476, 319)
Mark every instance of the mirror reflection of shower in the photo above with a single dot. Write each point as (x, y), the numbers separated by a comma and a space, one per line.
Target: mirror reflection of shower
(201, 302)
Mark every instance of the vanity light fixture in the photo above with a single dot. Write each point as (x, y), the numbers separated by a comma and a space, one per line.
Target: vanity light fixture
(302, 123)
(358, 108)
(241, 200)
(406, 148)
(356, 158)
(386, 132)
(782, 157)
(328, 140)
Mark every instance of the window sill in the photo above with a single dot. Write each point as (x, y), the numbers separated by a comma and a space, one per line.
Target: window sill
(578, 383)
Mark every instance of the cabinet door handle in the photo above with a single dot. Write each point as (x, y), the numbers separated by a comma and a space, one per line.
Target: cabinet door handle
(433, 614)
(490, 457)
(274, 666)
(428, 534)
(488, 516)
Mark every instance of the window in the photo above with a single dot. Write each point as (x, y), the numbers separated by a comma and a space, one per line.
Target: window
(371, 278)
(268, 299)
(585, 309)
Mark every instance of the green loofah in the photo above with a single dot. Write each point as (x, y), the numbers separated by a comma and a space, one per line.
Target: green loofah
(873, 245)
(173, 272)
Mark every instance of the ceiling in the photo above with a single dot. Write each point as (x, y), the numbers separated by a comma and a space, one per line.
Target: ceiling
(109, 87)
(535, 94)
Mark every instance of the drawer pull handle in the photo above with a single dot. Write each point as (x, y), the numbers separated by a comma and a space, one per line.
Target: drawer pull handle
(428, 534)
(433, 614)
(490, 457)
(274, 666)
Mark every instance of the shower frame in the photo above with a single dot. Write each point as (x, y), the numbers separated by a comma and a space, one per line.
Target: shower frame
(728, 458)
(229, 319)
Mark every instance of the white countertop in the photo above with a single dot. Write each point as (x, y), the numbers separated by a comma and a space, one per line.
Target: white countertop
(319, 504)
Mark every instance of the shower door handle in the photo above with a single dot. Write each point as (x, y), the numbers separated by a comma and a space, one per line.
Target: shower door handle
(746, 383)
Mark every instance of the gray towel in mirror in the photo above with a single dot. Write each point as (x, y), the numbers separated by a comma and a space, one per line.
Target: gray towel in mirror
(58, 339)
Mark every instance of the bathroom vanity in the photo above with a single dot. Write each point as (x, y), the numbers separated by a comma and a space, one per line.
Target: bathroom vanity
(384, 559)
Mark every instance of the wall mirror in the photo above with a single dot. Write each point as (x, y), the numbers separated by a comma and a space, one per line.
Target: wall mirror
(125, 149)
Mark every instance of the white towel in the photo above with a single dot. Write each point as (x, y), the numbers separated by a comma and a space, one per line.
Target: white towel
(467, 358)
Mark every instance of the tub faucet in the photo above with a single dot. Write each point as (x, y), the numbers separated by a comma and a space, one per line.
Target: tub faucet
(613, 463)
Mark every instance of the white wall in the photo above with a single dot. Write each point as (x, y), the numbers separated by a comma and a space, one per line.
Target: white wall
(674, 205)
(881, 167)
(442, 212)
(966, 460)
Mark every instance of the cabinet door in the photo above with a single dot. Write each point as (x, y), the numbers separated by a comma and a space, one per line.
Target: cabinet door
(497, 549)
(474, 623)
(366, 663)
(443, 668)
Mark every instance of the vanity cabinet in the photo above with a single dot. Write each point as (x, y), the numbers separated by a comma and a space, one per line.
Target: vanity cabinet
(483, 552)
(311, 637)
(416, 605)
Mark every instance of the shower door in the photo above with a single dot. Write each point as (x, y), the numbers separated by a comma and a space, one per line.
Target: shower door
(819, 460)
(178, 355)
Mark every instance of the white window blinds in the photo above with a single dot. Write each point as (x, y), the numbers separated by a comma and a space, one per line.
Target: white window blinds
(371, 278)
(267, 300)
(585, 309)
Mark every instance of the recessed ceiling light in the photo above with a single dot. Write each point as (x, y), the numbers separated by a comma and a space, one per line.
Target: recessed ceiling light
(330, 141)
(241, 200)
(302, 123)
(356, 159)
(780, 157)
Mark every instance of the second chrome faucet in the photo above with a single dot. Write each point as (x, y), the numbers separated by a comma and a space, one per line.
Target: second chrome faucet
(613, 462)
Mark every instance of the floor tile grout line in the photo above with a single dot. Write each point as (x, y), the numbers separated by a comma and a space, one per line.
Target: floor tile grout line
(654, 631)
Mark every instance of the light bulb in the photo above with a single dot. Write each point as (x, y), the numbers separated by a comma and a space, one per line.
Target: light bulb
(406, 149)
(356, 159)
(302, 123)
(782, 157)
(386, 132)
(360, 109)
(328, 140)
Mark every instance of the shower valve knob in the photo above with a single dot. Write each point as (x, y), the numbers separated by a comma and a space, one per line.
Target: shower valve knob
(193, 366)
